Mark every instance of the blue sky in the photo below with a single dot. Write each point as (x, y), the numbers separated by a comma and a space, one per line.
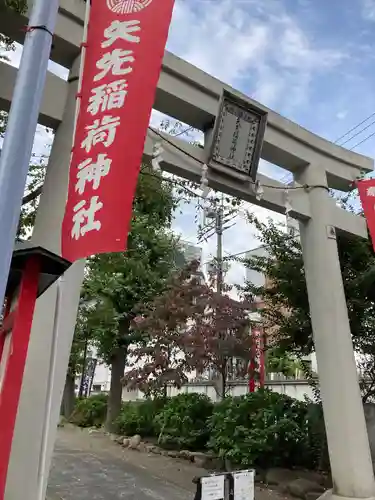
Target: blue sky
(310, 60)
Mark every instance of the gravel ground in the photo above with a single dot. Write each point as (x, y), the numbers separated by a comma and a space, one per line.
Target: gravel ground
(91, 466)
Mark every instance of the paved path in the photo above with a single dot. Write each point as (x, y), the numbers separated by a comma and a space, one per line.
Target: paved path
(88, 467)
(79, 475)
(92, 467)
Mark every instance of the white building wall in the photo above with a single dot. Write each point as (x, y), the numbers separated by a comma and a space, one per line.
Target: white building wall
(102, 378)
(294, 388)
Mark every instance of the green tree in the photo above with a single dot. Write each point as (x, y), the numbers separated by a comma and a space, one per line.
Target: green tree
(278, 361)
(30, 202)
(6, 44)
(120, 282)
(3, 123)
(286, 301)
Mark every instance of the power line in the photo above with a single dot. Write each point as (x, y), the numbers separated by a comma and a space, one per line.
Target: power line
(229, 256)
(358, 133)
(236, 254)
(354, 128)
(364, 140)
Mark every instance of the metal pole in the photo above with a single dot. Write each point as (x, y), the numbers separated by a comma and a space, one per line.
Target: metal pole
(219, 277)
(219, 250)
(22, 123)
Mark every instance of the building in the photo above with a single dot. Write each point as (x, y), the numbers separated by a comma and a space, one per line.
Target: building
(262, 280)
(190, 252)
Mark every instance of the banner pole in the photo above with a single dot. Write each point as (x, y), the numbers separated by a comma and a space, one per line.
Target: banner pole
(22, 123)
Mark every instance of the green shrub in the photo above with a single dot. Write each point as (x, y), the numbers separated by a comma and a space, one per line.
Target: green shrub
(183, 422)
(263, 428)
(317, 435)
(90, 412)
(139, 417)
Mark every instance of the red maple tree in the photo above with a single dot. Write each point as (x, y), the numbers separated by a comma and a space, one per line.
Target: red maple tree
(189, 328)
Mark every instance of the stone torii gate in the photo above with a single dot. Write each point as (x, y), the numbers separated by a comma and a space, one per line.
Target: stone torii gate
(188, 94)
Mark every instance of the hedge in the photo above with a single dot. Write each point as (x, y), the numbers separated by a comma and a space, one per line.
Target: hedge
(139, 417)
(263, 429)
(90, 412)
(183, 422)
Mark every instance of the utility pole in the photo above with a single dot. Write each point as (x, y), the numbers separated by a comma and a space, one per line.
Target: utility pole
(219, 250)
(218, 216)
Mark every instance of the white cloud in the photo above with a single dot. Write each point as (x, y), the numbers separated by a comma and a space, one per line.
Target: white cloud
(255, 41)
(296, 51)
(216, 39)
(368, 9)
(341, 115)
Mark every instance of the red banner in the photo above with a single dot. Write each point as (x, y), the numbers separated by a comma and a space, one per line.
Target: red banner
(125, 46)
(366, 191)
(257, 360)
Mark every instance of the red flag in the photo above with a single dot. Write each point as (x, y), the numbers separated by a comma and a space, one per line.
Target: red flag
(125, 47)
(366, 191)
(257, 359)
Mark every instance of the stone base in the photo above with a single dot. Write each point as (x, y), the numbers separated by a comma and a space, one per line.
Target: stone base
(329, 495)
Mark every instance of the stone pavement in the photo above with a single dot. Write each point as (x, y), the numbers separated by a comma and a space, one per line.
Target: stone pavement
(80, 475)
(90, 466)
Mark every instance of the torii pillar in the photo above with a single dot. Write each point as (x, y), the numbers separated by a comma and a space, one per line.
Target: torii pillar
(348, 444)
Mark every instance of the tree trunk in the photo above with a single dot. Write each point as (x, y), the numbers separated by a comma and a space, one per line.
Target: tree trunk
(68, 399)
(223, 377)
(118, 361)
